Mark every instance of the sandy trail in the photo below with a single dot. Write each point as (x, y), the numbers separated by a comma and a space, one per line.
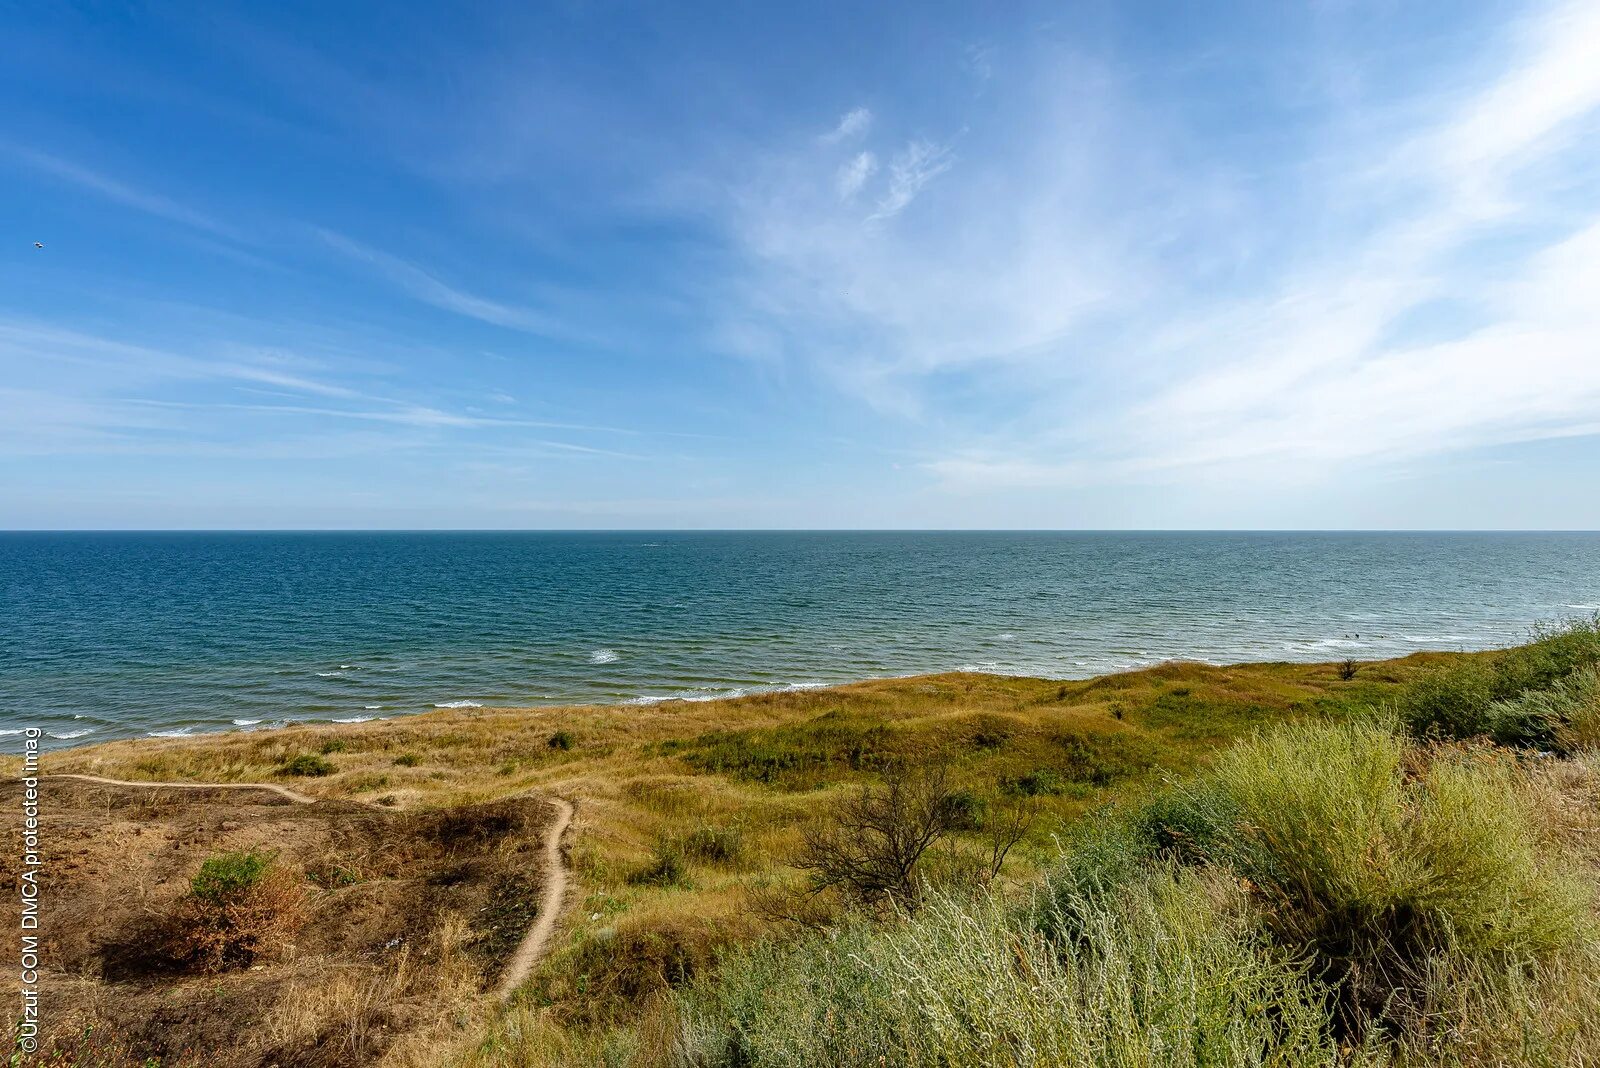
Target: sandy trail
(281, 791)
(532, 947)
(551, 895)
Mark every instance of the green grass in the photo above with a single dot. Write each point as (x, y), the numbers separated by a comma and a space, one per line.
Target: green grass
(307, 764)
(1171, 971)
(1488, 697)
(226, 875)
(1324, 887)
(1374, 857)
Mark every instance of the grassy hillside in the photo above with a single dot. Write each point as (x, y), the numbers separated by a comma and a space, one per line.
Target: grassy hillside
(695, 924)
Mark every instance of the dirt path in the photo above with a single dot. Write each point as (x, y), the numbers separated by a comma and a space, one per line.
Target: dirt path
(531, 949)
(281, 791)
(551, 894)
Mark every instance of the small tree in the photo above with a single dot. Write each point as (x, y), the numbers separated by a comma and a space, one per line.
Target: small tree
(1009, 824)
(1347, 669)
(871, 848)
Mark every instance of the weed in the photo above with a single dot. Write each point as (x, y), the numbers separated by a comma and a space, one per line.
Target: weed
(241, 907)
(306, 764)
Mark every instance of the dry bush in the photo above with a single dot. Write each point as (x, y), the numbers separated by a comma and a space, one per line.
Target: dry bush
(871, 847)
(241, 907)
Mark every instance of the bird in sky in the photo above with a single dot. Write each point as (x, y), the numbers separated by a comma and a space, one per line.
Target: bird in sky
(38, 244)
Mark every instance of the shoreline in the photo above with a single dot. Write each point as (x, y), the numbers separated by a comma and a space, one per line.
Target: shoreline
(470, 710)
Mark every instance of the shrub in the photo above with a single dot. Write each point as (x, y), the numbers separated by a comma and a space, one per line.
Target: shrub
(1041, 782)
(408, 760)
(223, 877)
(1348, 668)
(306, 764)
(561, 740)
(872, 845)
(332, 745)
(1170, 971)
(966, 811)
(1481, 697)
(1374, 865)
(722, 845)
(241, 907)
(667, 867)
(1566, 716)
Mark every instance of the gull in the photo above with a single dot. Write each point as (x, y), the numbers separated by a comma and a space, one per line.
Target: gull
(38, 244)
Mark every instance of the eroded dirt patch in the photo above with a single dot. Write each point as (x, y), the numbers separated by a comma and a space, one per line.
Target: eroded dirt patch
(411, 917)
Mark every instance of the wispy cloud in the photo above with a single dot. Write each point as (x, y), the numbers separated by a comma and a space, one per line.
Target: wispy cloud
(854, 174)
(122, 193)
(429, 289)
(1127, 307)
(852, 124)
(912, 168)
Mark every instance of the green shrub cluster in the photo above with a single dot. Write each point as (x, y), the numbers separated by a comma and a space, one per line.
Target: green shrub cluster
(1171, 970)
(306, 764)
(1376, 859)
(1327, 894)
(227, 875)
(1504, 697)
(241, 907)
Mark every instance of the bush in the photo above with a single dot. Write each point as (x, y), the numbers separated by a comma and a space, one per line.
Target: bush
(306, 764)
(1041, 782)
(872, 845)
(408, 760)
(1482, 697)
(560, 740)
(223, 877)
(241, 907)
(667, 868)
(1375, 865)
(1566, 716)
(332, 745)
(721, 845)
(1169, 971)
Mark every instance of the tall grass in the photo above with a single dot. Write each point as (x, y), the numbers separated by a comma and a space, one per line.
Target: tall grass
(1325, 894)
(1490, 697)
(1375, 858)
(1171, 971)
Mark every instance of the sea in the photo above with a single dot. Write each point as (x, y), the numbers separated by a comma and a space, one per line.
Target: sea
(121, 635)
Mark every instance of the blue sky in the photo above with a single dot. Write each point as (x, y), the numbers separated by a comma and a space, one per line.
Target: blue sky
(755, 265)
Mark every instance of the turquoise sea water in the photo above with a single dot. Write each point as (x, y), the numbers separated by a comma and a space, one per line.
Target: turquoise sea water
(106, 635)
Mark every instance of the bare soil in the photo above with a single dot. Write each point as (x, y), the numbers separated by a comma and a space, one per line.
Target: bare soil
(412, 916)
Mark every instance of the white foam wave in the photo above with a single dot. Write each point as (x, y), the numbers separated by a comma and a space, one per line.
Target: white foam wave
(12, 730)
(65, 735)
(329, 674)
(1328, 643)
(1006, 637)
(604, 656)
(180, 732)
(370, 707)
(458, 704)
(245, 722)
(696, 695)
(351, 719)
